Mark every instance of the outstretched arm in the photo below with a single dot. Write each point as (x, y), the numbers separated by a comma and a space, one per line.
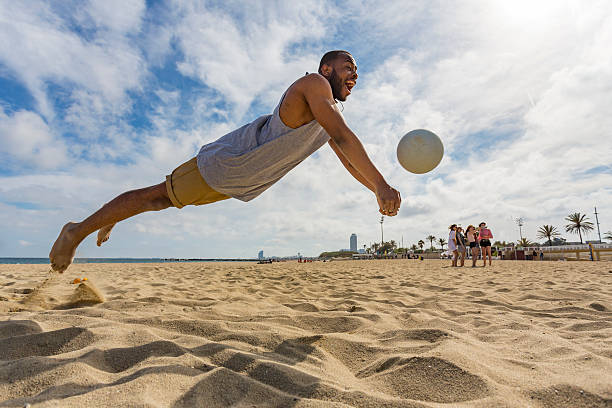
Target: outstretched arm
(349, 167)
(319, 97)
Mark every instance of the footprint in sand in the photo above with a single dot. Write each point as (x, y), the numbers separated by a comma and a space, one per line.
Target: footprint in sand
(302, 307)
(425, 379)
(598, 307)
(563, 395)
(34, 343)
(13, 328)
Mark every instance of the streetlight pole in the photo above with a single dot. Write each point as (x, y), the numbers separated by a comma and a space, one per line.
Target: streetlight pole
(382, 236)
(597, 221)
(519, 222)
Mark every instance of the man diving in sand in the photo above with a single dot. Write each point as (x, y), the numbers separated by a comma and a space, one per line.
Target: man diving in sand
(246, 162)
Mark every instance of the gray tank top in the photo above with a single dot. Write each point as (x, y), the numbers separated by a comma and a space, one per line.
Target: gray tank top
(246, 162)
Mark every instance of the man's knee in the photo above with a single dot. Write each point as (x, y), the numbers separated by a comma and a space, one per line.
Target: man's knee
(161, 204)
(159, 197)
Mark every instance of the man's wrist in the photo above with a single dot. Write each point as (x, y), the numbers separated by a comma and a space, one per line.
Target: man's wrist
(381, 185)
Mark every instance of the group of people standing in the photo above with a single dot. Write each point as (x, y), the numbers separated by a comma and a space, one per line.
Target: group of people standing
(478, 240)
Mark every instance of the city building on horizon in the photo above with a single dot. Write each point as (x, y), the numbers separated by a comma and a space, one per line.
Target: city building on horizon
(260, 255)
(353, 242)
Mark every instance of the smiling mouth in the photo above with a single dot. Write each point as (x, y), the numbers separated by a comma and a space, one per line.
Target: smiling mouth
(349, 85)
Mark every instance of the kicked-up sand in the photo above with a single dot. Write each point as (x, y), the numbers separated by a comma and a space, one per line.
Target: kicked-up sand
(401, 333)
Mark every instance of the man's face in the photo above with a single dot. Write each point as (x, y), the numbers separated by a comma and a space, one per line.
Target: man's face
(343, 76)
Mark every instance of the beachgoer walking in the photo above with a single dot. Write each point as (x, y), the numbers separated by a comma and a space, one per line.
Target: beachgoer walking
(460, 238)
(452, 243)
(472, 237)
(246, 162)
(484, 239)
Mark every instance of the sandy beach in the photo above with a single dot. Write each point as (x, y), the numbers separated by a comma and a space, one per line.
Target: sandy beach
(401, 333)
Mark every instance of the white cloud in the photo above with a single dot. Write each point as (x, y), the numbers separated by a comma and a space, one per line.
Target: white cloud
(119, 16)
(26, 137)
(39, 49)
(243, 51)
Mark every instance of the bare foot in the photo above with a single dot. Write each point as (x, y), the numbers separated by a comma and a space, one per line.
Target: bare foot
(64, 248)
(104, 234)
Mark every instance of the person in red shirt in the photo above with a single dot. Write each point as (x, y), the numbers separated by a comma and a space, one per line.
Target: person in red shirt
(484, 237)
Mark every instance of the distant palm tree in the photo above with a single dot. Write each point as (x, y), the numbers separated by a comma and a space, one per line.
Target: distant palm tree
(608, 235)
(442, 242)
(386, 247)
(549, 232)
(421, 243)
(578, 223)
(525, 242)
(393, 244)
(431, 239)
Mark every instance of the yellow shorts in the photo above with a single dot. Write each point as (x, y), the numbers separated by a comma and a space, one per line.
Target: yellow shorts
(186, 186)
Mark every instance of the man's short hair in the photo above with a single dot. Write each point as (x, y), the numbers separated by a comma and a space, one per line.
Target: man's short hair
(330, 56)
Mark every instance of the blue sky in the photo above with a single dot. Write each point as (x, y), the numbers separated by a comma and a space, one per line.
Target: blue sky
(97, 98)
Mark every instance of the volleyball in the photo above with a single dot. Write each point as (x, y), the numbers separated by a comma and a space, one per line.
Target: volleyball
(420, 151)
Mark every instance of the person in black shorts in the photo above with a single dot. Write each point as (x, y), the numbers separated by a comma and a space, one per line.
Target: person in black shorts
(485, 235)
(472, 238)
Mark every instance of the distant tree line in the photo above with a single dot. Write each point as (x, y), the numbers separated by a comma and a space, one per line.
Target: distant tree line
(337, 254)
(577, 224)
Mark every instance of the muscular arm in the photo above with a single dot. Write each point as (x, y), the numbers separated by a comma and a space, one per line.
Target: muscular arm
(323, 107)
(318, 95)
(349, 167)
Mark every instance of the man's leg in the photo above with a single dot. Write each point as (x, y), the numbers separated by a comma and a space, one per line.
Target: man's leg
(124, 206)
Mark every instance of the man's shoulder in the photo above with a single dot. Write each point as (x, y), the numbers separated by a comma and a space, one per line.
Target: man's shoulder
(311, 82)
(295, 109)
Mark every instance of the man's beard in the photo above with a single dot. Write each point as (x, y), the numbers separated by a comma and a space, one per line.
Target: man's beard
(336, 85)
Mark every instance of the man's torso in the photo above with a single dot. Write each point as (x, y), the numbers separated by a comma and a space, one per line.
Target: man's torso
(247, 161)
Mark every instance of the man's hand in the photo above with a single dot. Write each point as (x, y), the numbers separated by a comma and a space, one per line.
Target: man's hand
(389, 200)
